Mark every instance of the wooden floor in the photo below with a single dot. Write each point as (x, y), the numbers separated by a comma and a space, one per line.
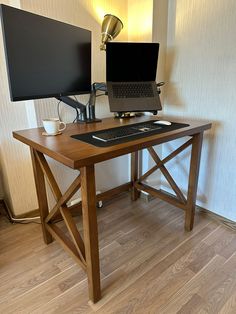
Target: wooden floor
(148, 265)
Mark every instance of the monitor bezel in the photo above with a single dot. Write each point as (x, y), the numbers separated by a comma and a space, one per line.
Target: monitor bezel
(41, 96)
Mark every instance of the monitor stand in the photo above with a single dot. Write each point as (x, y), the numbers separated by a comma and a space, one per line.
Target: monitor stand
(87, 113)
(76, 105)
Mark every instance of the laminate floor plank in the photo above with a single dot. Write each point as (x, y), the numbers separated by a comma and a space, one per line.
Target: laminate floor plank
(230, 305)
(185, 294)
(173, 267)
(149, 264)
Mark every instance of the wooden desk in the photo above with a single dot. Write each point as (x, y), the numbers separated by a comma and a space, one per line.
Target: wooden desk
(81, 156)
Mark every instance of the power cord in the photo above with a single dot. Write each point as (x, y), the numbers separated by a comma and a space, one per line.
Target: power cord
(76, 109)
(77, 117)
(13, 220)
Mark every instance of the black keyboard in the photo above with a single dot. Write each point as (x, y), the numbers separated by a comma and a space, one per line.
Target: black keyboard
(127, 90)
(127, 131)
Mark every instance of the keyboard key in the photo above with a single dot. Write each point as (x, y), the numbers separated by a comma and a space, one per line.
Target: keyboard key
(132, 90)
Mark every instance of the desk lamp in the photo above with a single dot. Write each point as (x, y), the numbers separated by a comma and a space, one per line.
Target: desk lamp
(111, 27)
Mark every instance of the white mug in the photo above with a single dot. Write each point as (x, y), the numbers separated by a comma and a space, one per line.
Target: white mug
(52, 126)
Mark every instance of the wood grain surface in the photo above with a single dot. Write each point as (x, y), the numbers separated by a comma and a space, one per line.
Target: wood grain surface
(74, 153)
(148, 265)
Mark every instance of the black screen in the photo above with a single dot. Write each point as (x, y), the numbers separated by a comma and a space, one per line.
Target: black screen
(45, 57)
(131, 62)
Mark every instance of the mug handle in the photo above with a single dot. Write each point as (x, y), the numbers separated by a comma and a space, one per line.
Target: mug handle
(64, 126)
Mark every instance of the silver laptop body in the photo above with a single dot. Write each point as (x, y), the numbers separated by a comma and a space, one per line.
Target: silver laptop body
(131, 74)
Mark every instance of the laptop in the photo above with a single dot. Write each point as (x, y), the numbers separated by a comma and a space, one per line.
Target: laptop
(130, 75)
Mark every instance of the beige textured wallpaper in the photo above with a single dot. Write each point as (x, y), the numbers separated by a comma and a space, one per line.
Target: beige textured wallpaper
(15, 161)
(201, 76)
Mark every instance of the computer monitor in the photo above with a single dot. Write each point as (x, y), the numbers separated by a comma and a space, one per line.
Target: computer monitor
(45, 57)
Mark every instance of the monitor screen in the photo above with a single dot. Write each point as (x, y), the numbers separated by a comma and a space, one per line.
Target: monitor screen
(131, 62)
(45, 58)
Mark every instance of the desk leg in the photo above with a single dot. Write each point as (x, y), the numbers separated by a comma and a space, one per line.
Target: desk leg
(193, 181)
(134, 175)
(88, 192)
(42, 196)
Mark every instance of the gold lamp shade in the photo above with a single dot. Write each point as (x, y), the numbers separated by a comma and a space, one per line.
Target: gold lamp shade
(111, 27)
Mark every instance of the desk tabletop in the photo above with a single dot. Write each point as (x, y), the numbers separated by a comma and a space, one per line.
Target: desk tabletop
(75, 154)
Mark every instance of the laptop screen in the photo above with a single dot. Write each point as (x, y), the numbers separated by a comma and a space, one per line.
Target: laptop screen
(131, 62)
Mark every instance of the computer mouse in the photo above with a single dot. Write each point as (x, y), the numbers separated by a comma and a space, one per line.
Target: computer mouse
(163, 122)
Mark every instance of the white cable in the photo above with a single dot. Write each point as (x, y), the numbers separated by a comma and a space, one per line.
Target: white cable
(25, 219)
(19, 219)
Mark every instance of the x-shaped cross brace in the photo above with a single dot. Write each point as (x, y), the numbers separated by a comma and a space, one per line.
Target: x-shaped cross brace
(186, 203)
(83, 250)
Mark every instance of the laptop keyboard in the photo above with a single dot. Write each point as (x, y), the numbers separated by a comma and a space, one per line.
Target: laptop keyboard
(132, 90)
(121, 132)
